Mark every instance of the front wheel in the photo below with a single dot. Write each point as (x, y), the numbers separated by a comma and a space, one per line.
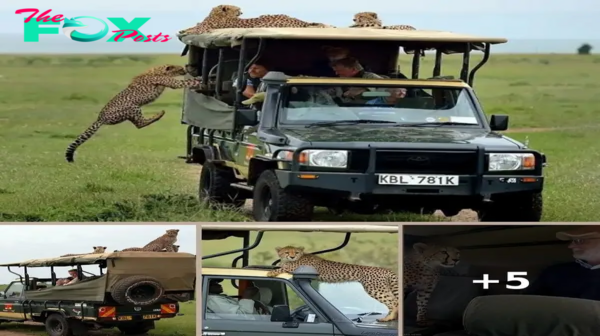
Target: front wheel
(273, 204)
(526, 207)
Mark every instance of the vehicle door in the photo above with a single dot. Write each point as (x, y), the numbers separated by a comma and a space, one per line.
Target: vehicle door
(216, 322)
(11, 302)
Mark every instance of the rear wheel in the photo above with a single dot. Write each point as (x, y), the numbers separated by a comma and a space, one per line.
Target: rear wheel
(273, 204)
(57, 325)
(215, 186)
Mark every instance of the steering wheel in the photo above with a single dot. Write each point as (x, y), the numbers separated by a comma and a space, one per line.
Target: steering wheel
(299, 314)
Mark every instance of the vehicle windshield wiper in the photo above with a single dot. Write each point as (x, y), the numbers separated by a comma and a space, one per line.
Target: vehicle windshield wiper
(349, 122)
(436, 124)
(361, 315)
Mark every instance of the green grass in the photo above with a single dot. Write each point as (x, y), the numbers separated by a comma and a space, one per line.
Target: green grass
(125, 174)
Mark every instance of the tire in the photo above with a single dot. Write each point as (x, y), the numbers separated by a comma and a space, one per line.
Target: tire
(138, 328)
(215, 186)
(273, 204)
(527, 207)
(57, 325)
(137, 290)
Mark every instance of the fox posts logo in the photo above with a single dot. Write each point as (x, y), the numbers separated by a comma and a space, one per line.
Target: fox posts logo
(35, 25)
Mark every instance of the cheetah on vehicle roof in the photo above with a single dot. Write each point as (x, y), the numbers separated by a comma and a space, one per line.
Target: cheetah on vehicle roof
(371, 20)
(228, 16)
(380, 283)
(97, 250)
(421, 272)
(144, 89)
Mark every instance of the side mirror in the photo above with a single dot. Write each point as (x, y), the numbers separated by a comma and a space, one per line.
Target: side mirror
(281, 313)
(246, 117)
(499, 122)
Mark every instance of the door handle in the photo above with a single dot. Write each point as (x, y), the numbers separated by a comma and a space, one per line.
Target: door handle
(212, 333)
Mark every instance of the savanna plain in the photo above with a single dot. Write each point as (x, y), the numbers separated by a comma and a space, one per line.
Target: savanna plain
(126, 174)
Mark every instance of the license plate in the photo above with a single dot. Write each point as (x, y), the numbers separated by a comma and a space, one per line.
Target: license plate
(418, 180)
(150, 317)
(124, 318)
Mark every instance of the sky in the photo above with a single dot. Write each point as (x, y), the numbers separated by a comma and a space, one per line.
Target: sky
(24, 242)
(530, 26)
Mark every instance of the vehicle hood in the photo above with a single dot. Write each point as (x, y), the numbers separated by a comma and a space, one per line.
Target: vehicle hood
(362, 133)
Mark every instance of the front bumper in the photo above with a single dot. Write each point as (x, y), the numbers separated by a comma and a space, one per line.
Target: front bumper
(365, 183)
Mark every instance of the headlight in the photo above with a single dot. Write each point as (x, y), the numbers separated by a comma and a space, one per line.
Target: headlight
(511, 161)
(319, 158)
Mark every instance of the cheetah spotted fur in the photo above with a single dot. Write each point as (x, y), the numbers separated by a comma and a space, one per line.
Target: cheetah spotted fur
(140, 249)
(127, 104)
(422, 270)
(96, 250)
(165, 242)
(228, 16)
(371, 20)
(380, 283)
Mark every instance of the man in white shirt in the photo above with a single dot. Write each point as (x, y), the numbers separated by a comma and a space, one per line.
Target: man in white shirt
(218, 303)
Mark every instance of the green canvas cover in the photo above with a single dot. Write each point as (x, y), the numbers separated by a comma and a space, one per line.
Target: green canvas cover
(88, 290)
(531, 315)
(203, 111)
(174, 274)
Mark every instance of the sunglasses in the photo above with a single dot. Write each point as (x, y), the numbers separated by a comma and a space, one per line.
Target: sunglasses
(581, 241)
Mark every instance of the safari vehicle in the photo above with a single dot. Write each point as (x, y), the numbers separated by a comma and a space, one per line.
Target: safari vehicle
(432, 149)
(298, 305)
(512, 255)
(131, 291)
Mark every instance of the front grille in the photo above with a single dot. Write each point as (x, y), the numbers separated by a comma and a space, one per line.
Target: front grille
(418, 162)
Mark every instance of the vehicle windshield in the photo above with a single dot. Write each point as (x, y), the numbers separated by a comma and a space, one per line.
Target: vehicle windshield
(351, 300)
(407, 106)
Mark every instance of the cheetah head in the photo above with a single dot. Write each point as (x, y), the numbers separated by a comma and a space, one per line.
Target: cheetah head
(166, 70)
(289, 253)
(366, 18)
(226, 12)
(99, 249)
(172, 232)
(434, 256)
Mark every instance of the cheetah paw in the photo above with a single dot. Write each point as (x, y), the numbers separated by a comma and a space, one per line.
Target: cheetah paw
(272, 274)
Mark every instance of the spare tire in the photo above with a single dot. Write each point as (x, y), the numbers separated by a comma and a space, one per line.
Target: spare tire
(137, 290)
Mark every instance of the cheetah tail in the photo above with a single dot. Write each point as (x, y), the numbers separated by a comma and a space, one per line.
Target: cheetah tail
(83, 137)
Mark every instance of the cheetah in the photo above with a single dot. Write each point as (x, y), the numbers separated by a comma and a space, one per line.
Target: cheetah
(141, 249)
(380, 283)
(97, 250)
(127, 104)
(366, 20)
(165, 242)
(421, 272)
(228, 16)
(371, 20)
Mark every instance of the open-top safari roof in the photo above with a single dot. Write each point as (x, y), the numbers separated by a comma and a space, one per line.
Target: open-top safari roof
(222, 231)
(90, 259)
(233, 36)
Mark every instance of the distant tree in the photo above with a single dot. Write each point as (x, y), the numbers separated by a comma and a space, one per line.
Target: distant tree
(585, 49)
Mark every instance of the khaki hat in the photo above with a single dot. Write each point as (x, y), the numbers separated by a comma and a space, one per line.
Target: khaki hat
(586, 232)
(257, 98)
